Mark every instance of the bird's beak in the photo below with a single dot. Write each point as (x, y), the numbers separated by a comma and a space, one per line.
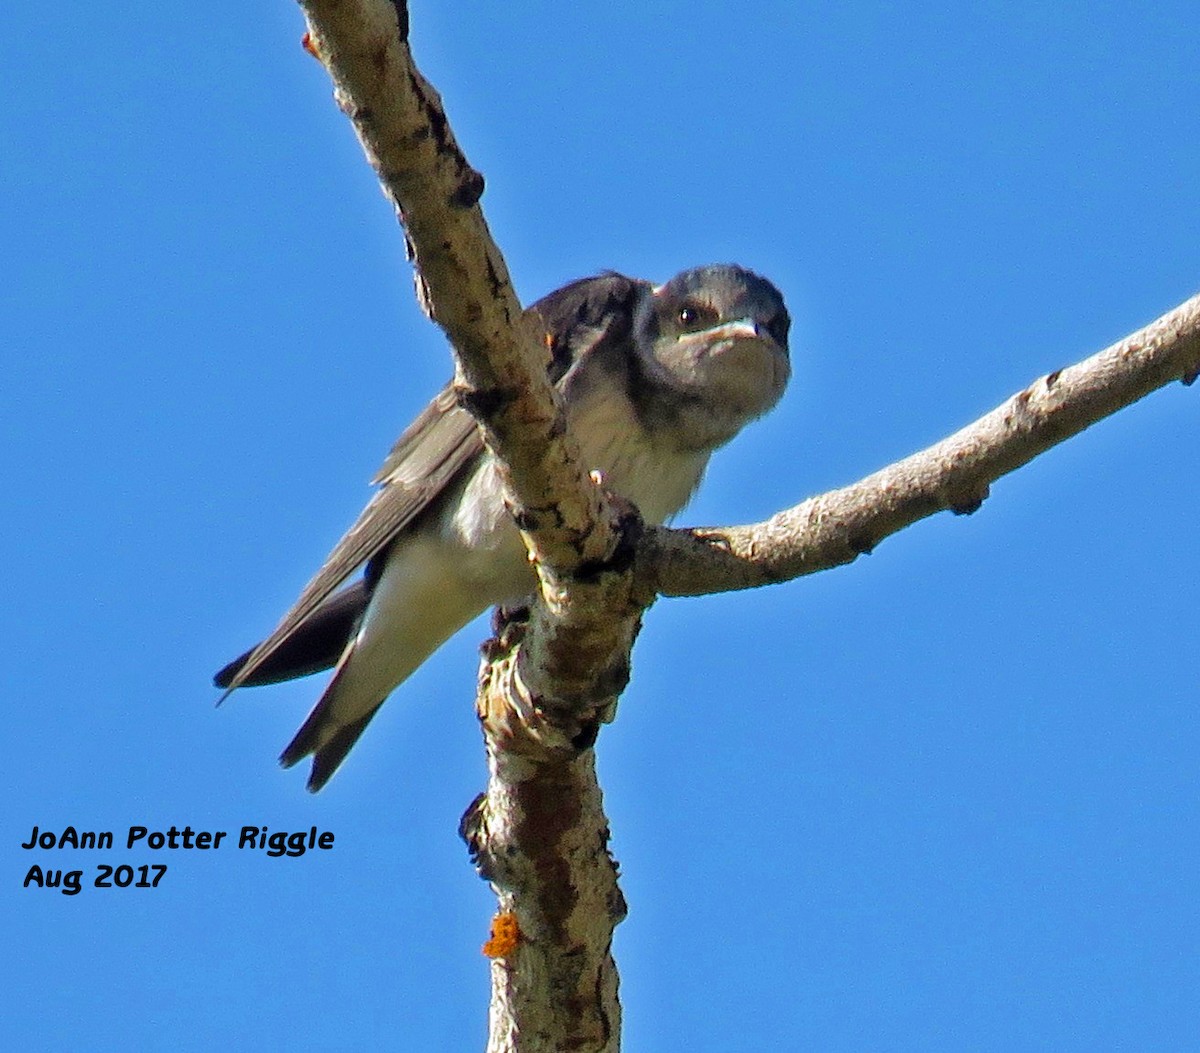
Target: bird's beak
(742, 329)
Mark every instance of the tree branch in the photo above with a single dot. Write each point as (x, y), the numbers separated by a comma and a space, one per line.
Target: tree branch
(539, 833)
(839, 526)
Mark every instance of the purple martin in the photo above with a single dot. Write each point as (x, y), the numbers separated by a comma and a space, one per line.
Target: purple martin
(653, 379)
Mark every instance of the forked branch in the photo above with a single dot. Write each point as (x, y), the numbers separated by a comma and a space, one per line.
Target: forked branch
(539, 832)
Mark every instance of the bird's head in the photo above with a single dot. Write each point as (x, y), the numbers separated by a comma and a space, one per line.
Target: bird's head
(712, 345)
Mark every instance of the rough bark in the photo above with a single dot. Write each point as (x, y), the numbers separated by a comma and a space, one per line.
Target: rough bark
(539, 833)
(837, 527)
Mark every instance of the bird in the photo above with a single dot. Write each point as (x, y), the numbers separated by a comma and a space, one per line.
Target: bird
(653, 379)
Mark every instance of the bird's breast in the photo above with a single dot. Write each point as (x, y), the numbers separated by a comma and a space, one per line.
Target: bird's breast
(656, 476)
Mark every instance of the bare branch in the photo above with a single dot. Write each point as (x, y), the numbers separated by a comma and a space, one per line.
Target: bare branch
(539, 833)
(837, 527)
(462, 280)
(540, 836)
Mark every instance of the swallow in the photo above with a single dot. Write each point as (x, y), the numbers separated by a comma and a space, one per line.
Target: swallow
(652, 378)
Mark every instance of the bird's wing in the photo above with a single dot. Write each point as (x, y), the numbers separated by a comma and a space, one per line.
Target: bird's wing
(313, 646)
(588, 313)
(435, 448)
(424, 461)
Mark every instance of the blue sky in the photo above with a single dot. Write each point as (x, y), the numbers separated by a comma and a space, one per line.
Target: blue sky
(945, 798)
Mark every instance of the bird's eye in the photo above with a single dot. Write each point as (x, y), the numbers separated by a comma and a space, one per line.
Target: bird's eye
(693, 316)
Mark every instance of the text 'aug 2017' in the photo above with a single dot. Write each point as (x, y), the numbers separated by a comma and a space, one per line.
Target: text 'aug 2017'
(275, 843)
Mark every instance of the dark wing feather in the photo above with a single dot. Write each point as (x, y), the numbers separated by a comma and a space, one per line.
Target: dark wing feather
(425, 459)
(579, 316)
(314, 646)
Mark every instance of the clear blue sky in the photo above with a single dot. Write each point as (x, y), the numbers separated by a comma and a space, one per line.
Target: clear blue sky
(943, 799)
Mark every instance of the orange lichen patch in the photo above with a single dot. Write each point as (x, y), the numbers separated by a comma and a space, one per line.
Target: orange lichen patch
(310, 46)
(506, 934)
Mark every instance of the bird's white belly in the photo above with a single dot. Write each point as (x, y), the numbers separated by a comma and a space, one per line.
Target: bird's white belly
(655, 476)
(483, 544)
